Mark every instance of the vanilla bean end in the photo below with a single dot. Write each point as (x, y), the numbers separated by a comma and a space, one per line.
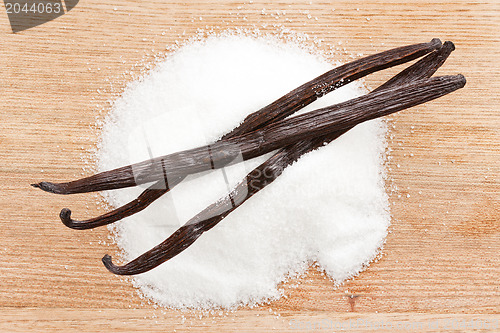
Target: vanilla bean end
(108, 263)
(50, 187)
(436, 42)
(461, 81)
(65, 216)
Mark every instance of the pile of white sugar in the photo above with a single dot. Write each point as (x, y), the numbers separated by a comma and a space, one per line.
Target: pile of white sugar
(330, 208)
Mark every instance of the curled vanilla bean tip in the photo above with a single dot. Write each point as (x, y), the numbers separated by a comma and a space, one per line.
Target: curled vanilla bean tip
(65, 216)
(108, 263)
(144, 200)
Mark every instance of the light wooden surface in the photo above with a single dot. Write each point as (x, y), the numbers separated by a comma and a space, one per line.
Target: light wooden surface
(441, 260)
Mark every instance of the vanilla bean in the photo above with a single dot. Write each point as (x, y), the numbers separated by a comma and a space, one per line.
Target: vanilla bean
(283, 107)
(260, 177)
(279, 134)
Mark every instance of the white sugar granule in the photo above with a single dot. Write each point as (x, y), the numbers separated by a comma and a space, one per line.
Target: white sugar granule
(330, 207)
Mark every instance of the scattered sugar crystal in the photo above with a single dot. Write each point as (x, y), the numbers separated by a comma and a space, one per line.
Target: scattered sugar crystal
(330, 207)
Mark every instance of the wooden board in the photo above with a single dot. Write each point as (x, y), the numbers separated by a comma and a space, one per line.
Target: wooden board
(441, 261)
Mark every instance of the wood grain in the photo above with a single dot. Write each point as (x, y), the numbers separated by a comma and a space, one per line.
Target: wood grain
(441, 260)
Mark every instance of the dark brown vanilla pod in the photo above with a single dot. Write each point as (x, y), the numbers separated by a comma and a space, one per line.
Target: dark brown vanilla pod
(280, 109)
(254, 182)
(279, 134)
(422, 69)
